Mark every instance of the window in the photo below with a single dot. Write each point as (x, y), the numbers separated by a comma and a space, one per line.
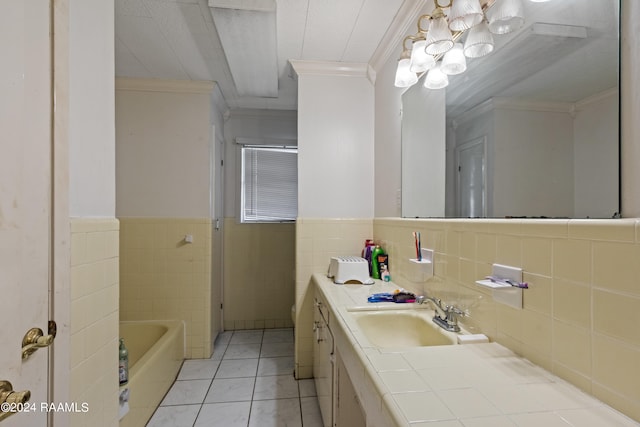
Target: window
(269, 184)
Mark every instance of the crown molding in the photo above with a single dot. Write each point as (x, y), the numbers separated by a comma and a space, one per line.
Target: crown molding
(526, 105)
(161, 85)
(251, 5)
(259, 113)
(401, 25)
(513, 104)
(332, 68)
(598, 97)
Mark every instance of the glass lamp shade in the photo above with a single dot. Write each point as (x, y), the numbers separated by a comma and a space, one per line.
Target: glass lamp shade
(420, 60)
(436, 79)
(454, 61)
(505, 16)
(404, 76)
(479, 41)
(465, 14)
(439, 37)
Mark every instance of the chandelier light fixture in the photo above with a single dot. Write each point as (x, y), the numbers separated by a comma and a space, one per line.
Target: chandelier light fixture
(438, 46)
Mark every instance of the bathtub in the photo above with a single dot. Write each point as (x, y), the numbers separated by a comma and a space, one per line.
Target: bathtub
(156, 351)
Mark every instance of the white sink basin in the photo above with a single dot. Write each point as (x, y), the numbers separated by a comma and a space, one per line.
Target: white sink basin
(401, 328)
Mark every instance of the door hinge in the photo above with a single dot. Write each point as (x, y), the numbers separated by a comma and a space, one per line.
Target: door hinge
(220, 306)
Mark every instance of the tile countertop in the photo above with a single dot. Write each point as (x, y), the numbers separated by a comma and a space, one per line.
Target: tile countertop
(471, 385)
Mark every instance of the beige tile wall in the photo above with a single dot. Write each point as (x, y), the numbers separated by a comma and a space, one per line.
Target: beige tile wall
(581, 314)
(94, 321)
(259, 275)
(317, 240)
(162, 277)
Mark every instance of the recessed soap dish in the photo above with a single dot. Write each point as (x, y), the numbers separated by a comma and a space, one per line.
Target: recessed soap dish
(503, 292)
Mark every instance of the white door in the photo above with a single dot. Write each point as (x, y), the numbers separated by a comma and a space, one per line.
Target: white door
(25, 202)
(217, 239)
(472, 179)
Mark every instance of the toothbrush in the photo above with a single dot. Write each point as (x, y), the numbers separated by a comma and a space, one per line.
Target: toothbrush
(522, 285)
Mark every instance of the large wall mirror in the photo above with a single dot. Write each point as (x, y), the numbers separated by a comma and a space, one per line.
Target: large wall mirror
(530, 130)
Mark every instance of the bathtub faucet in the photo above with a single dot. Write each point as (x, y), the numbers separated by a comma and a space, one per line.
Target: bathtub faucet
(446, 316)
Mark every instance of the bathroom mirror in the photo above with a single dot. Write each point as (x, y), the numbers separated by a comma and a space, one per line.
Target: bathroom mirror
(530, 130)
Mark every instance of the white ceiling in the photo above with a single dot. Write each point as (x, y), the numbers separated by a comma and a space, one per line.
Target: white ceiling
(177, 39)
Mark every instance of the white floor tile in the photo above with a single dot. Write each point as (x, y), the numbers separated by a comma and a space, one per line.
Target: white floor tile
(224, 337)
(246, 337)
(235, 414)
(311, 416)
(218, 351)
(252, 384)
(242, 351)
(186, 392)
(275, 366)
(236, 368)
(277, 349)
(230, 390)
(198, 369)
(275, 387)
(174, 416)
(277, 335)
(307, 388)
(275, 413)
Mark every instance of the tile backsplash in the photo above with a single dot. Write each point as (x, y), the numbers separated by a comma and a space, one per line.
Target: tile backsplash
(581, 313)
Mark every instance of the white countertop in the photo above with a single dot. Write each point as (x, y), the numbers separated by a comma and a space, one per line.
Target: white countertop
(471, 385)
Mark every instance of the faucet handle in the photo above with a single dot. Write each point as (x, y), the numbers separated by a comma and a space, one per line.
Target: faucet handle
(452, 314)
(455, 310)
(419, 299)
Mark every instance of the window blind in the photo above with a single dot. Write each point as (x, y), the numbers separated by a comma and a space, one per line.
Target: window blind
(269, 184)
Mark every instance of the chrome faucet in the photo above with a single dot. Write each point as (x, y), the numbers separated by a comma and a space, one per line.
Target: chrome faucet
(446, 316)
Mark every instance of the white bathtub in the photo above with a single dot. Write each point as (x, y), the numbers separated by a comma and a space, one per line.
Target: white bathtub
(156, 351)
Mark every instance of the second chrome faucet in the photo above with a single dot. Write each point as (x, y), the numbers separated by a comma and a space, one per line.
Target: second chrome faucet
(446, 316)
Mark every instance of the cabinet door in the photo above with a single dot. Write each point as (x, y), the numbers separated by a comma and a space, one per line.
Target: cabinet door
(349, 412)
(323, 364)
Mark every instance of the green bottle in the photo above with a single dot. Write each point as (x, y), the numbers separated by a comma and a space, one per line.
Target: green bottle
(123, 364)
(375, 267)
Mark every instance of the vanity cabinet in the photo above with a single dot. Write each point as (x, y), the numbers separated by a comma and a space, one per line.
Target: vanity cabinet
(323, 360)
(337, 397)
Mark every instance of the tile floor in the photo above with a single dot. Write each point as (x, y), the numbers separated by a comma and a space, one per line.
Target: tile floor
(247, 382)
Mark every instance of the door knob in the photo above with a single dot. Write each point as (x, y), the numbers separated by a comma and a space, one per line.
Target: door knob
(10, 401)
(35, 339)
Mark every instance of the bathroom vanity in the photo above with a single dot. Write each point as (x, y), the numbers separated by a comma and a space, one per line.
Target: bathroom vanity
(366, 378)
